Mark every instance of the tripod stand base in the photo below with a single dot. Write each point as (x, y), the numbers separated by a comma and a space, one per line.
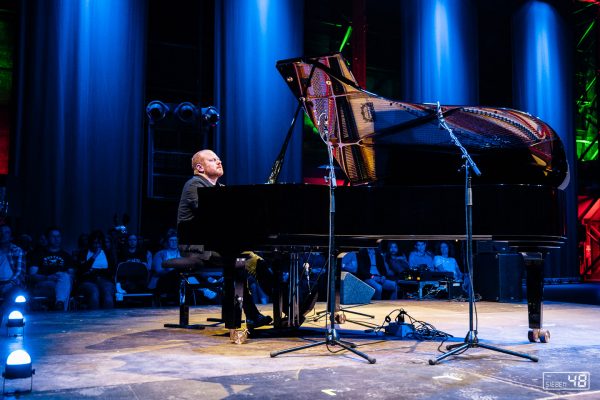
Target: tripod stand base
(471, 341)
(332, 339)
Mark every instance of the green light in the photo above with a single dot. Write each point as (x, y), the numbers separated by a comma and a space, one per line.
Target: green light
(308, 123)
(586, 33)
(346, 37)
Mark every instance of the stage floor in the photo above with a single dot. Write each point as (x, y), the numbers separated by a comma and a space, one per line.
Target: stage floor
(128, 354)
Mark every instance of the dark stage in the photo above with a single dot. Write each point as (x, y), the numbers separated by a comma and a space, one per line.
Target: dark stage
(128, 354)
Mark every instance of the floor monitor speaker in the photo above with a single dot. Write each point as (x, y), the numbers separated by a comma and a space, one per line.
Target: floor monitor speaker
(499, 276)
(354, 291)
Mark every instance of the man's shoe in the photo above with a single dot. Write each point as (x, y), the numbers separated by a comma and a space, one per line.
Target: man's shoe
(59, 306)
(260, 320)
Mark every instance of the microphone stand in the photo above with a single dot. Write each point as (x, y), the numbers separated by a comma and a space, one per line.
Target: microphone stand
(471, 339)
(332, 337)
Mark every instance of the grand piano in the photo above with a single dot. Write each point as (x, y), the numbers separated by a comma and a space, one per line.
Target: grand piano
(404, 177)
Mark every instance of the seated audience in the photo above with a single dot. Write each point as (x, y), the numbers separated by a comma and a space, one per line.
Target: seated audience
(420, 257)
(371, 270)
(166, 280)
(395, 261)
(445, 263)
(133, 251)
(51, 271)
(97, 274)
(11, 266)
(349, 263)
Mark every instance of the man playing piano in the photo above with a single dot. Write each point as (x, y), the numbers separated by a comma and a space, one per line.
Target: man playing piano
(208, 169)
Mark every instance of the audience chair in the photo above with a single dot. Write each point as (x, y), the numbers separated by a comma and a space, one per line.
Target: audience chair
(133, 278)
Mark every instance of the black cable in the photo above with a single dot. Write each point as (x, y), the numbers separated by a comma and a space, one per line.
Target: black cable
(421, 330)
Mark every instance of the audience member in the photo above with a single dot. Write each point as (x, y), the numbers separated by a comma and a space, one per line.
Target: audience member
(396, 262)
(83, 244)
(133, 251)
(445, 263)
(97, 274)
(371, 270)
(420, 257)
(11, 265)
(349, 263)
(165, 280)
(51, 271)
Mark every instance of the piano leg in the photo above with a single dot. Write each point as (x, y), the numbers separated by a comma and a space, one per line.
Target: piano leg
(534, 264)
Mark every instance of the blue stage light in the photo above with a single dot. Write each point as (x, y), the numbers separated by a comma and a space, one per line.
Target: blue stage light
(18, 366)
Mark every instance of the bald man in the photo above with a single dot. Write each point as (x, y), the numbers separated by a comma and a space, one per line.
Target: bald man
(207, 169)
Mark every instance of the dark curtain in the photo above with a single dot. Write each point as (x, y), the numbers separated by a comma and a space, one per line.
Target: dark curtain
(543, 86)
(439, 49)
(255, 103)
(79, 123)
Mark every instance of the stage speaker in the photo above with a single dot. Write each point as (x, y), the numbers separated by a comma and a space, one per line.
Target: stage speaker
(354, 291)
(499, 276)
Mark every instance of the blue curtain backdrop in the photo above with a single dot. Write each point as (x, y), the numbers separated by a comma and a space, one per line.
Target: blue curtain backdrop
(255, 103)
(439, 52)
(543, 86)
(80, 114)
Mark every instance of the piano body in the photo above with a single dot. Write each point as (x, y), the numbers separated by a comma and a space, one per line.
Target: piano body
(405, 180)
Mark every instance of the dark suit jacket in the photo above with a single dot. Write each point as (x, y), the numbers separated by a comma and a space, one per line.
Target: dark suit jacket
(363, 261)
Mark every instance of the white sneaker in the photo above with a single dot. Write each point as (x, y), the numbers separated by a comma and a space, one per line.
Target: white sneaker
(120, 289)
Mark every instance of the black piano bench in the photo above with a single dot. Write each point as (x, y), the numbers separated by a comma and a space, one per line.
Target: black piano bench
(185, 266)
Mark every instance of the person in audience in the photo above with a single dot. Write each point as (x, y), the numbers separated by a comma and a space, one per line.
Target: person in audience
(371, 270)
(420, 257)
(349, 263)
(443, 262)
(97, 274)
(207, 170)
(165, 280)
(83, 243)
(11, 266)
(51, 270)
(395, 261)
(25, 242)
(133, 251)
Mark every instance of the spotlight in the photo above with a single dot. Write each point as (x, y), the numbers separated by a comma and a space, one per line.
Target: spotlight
(210, 115)
(186, 112)
(156, 110)
(15, 320)
(20, 299)
(18, 366)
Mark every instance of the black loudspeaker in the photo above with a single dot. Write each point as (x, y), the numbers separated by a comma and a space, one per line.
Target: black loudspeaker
(499, 276)
(354, 291)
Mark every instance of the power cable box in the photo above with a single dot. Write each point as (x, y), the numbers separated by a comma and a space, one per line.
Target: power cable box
(400, 329)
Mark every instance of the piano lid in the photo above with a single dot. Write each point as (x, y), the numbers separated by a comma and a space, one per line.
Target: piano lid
(381, 140)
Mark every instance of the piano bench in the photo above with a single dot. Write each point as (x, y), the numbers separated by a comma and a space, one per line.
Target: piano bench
(186, 266)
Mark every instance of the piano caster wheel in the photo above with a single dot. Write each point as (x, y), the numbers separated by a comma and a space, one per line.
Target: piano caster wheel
(542, 335)
(238, 336)
(533, 335)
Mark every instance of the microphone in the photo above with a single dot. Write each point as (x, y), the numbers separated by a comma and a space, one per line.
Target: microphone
(307, 270)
